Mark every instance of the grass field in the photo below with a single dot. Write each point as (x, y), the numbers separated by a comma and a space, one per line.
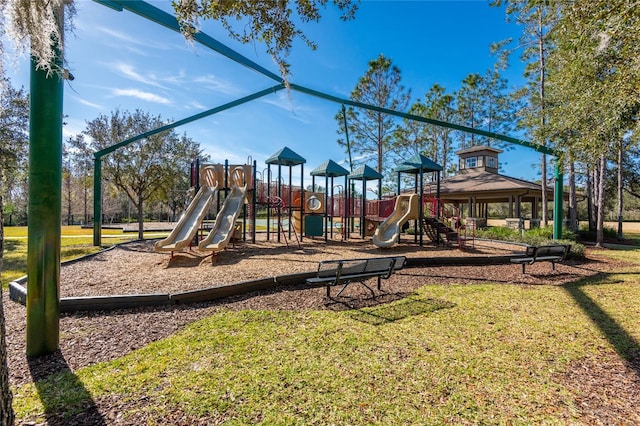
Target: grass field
(75, 242)
(454, 354)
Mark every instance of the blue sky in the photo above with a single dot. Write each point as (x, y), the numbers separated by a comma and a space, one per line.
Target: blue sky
(120, 60)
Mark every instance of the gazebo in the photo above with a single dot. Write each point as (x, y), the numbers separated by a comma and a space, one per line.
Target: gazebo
(479, 184)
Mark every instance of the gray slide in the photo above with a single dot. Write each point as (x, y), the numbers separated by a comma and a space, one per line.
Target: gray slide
(189, 222)
(224, 226)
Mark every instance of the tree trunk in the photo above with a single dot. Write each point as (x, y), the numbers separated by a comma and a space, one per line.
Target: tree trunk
(620, 202)
(84, 200)
(590, 201)
(6, 409)
(543, 121)
(69, 206)
(140, 219)
(573, 202)
(602, 167)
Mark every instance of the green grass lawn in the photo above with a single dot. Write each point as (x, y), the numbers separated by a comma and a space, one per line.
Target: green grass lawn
(75, 242)
(448, 354)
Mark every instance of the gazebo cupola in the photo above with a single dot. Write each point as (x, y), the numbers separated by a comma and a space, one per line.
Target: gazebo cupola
(479, 158)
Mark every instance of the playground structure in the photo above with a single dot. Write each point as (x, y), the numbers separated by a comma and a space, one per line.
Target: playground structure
(240, 197)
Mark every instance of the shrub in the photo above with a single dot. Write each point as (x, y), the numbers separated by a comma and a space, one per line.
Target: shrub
(498, 233)
(533, 237)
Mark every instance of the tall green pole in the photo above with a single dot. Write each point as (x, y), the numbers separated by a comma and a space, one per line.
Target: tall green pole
(97, 201)
(558, 214)
(44, 212)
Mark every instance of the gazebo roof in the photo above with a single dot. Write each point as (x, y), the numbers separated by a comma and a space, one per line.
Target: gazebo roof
(329, 168)
(477, 148)
(480, 181)
(419, 163)
(286, 157)
(365, 173)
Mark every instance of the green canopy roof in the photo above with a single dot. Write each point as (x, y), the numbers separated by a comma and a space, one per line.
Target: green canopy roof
(286, 157)
(417, 163)
(365, 173)
(330, 169)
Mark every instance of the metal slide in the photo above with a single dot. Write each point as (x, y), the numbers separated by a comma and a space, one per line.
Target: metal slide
(407, 207)
(225, 223)
(189, 222)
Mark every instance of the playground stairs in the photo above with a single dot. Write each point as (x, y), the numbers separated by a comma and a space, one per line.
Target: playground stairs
(439, 232)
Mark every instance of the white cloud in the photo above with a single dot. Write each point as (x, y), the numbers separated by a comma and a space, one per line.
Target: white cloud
(195, 105)
(87, 103)
(139, 94)
(283, 100)
(212, 82)
(129, 71)
(129, 41)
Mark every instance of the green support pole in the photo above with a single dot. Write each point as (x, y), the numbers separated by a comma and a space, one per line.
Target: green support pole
(44, 212)
(97, 201)
(558, 214)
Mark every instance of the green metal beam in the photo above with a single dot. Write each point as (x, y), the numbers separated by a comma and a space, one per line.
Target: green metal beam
(539, 148)
(44, 212)
(97, 156)
(167, 20)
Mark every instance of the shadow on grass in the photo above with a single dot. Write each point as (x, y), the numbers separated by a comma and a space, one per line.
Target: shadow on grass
(627, 347)
(15, 261)
(404, 308)
(65, 399)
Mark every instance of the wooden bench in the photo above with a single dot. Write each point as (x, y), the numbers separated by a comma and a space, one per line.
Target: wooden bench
(335, 272)
(551, 253)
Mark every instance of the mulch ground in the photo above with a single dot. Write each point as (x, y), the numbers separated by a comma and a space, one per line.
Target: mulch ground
(92, 337)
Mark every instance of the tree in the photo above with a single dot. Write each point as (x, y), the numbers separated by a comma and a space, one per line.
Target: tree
(469, 108)
(595, 75)
(14, 124)
(32, 26)
(372, 132)
(82, 158)
(435, 142)
(537, 20)
(142, 168)
(14, 135)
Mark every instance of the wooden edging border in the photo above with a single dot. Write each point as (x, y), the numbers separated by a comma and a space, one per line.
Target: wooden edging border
(18, 291)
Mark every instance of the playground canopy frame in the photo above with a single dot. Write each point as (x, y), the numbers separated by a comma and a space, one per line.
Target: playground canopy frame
(46, 113)
(167, 20)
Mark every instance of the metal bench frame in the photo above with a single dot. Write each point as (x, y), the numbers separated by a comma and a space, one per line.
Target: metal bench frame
(346, 271)
(549, 253)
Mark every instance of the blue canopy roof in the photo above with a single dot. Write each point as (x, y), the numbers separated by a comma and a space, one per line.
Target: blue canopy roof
(365, 173)
(329, 168)
(419, 163)
(286, 157)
